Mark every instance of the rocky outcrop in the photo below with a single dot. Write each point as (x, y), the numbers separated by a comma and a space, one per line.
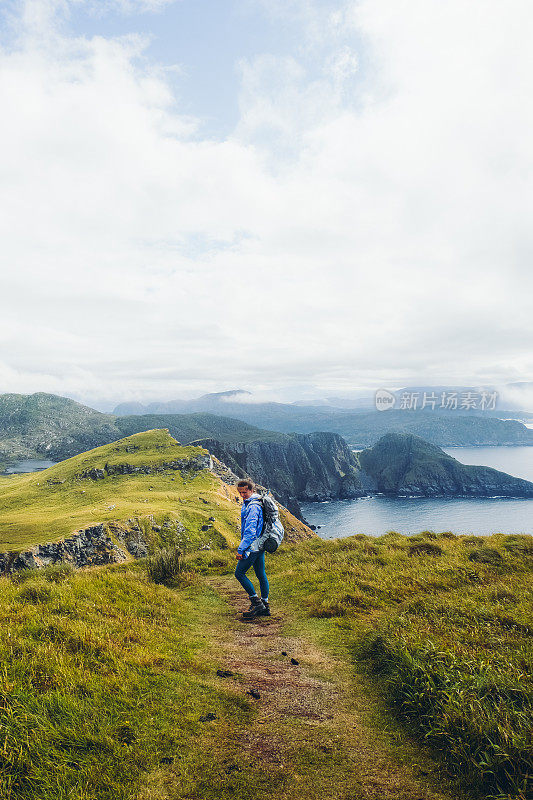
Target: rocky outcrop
(194, 464)
(307, 467)
(403, 464)
(89, 547)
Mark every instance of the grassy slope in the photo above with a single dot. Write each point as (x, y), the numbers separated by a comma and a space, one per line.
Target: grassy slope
(448, 637)
(103, 676)
(50, 505)
(115, 673)
(190, 427)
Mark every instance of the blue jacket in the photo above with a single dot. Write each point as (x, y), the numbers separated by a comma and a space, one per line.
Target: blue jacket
(251, 523)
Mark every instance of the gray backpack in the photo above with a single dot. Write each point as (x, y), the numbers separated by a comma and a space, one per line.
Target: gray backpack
(272, 532)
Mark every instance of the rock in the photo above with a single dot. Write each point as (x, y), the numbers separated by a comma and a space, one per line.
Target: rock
(94, 474)
(89, 547)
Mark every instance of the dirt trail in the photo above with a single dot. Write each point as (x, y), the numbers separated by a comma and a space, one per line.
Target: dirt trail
(315, 721)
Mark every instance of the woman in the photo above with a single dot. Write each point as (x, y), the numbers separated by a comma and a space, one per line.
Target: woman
(247, 556)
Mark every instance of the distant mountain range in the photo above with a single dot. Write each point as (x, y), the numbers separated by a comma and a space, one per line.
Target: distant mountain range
(47, 426)
(359, 428)
(511, 399)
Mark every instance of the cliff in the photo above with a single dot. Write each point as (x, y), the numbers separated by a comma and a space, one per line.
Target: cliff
(306, 467)
(403, 464)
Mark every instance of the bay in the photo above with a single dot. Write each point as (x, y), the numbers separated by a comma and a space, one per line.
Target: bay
(376, 515)
(27, 465)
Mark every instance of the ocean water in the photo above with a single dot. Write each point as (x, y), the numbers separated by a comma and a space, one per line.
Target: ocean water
(27, 465)
(375, 516)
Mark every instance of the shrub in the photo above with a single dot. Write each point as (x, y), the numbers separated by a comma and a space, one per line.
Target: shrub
(502, 595)
(165, 566)
(57, 573)
(477, 540)
(35, 592)
(486, 555)
(425, 549)
(521, 547)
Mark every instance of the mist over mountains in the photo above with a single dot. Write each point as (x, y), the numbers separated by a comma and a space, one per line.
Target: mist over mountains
(360, 428)
(48, 426)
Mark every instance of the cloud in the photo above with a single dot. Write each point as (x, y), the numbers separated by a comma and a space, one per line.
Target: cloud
(366, 224)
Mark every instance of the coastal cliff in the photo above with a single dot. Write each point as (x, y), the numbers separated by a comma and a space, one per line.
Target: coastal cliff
(301, 467)
(404, 464)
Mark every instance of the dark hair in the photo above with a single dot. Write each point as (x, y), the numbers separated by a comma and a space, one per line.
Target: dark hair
(249, 485)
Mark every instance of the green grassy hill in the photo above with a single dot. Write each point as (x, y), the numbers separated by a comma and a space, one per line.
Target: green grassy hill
(89, 489)
(50, 505)
(190, 427)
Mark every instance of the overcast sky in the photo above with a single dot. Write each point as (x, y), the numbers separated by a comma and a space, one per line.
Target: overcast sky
(293, 197)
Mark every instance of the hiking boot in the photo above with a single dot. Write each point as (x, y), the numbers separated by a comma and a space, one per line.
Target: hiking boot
(265, 611)
(256, 609)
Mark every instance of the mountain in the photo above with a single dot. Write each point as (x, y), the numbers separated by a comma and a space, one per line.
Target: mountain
(360, 428)
(45, 425)
(403, 464)
(204, 403)
(48, 426)
(190, 427)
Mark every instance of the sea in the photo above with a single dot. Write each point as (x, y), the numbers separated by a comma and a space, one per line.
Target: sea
(27, 465)
(376, 515)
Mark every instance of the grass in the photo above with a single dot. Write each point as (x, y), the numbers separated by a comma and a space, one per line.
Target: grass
(103, 677)
(50, 505)
(107, 678)
(446, 631)
(105, 674)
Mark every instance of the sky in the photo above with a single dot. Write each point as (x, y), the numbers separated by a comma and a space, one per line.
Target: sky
(298, 198)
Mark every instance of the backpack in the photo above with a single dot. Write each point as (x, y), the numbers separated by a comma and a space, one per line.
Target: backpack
(272, 532)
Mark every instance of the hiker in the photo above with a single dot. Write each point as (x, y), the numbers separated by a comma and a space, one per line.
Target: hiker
(247, 556)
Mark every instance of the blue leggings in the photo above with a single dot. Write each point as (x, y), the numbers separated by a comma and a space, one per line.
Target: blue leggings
(257, 561)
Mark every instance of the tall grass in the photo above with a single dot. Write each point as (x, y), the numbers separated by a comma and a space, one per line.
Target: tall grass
(445, 624)
(101, 678)
(165, 565)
